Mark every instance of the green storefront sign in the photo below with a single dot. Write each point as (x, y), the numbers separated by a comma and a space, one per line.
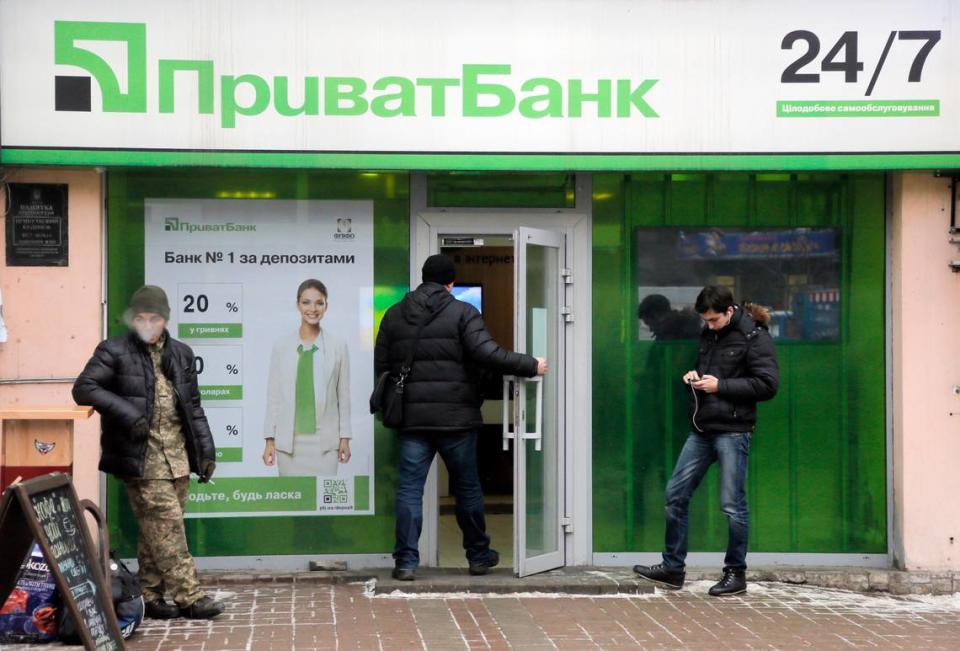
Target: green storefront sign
(631, 87)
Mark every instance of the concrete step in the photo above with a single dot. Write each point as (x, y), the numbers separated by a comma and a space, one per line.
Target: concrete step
(502, 581)
(599, 580)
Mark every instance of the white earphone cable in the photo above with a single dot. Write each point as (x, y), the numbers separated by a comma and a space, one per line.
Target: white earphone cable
(696, 408)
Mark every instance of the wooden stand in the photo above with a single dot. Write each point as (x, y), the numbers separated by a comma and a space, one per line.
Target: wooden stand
(37, 441)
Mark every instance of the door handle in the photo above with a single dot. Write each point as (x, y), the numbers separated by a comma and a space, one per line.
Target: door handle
(508, 421)
(512, 420)
(537, 434)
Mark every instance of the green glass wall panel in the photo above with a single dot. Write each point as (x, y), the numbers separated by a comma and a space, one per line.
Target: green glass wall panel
(125, 248)
(817, 469)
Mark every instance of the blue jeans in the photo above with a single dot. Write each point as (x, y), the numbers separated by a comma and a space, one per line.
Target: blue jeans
(459, 452)
(731, 450)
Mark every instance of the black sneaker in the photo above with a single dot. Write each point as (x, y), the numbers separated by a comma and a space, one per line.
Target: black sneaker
(203, 608)
(661, 576)
(160, 609)
(733, 582)
(481, 568)
(404, 573)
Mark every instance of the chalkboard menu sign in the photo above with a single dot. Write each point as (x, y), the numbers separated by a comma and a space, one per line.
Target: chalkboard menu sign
(46, 509)
(37, 225)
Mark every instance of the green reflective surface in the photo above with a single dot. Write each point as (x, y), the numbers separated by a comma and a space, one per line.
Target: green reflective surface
(817, 466)
(817, 473)
(541, 509)
(265, 535)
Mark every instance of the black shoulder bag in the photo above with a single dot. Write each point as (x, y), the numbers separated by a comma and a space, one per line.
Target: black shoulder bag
(387, 398)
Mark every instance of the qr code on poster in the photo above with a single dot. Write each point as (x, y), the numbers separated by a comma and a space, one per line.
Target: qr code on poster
(334, 491)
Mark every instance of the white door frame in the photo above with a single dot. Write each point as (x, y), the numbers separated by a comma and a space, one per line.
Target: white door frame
(425, 225)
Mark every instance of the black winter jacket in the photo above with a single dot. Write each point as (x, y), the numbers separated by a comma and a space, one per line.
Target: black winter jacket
(442, 392)
(743, 358)
(118, 382)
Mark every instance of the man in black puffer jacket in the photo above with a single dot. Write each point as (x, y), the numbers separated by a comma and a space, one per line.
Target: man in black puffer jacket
(153, 434)
(441, 407)
(736, 369)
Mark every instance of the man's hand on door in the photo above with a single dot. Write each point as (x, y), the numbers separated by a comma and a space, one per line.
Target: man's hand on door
(542, 366)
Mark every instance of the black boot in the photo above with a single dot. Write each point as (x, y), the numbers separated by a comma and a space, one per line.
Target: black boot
(203, 608)
(160, 609)
(404, 573)
(733, 582)
(478, 569)
(661, 576)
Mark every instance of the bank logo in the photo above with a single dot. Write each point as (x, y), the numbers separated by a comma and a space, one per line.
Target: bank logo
(72, 92)
(344, 229)
(485, 90)
(177, 225)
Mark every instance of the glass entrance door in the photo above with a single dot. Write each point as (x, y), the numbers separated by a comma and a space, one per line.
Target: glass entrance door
(537, 410)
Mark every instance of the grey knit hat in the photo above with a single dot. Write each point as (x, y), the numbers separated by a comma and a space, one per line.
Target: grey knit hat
(148, 298)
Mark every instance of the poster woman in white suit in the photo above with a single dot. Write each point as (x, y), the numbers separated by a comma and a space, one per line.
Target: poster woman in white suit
(307, 426)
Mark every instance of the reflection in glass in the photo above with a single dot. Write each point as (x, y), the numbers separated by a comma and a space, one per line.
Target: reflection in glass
(794, 271)
(817, 477)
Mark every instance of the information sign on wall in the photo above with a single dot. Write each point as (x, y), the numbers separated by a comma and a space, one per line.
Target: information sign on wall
(37, 234)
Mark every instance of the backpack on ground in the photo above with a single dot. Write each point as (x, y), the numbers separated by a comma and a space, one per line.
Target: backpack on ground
(127, 595)
(127, 603)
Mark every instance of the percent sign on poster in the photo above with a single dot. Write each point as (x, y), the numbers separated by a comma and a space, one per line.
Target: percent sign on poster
(226, 423)
(219, 371)
(210, 310)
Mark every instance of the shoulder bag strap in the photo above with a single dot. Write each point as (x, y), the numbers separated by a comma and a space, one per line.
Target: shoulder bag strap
(408, 362)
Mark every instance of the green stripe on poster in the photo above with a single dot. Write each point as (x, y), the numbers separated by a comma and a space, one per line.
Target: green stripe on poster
(361, 493)
(221, 392)
(210, 330)
(229, 455)
(253, 495)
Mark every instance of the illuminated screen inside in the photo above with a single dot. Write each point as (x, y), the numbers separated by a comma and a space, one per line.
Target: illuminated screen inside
(468, 293)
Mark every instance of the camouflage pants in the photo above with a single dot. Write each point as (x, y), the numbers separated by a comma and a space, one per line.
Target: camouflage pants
(165, 562)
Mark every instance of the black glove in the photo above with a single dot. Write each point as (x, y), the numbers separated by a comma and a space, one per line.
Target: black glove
(140, 430)
(207, 471)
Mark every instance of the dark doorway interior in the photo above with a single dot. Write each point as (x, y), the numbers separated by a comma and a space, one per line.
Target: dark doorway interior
(485, 279)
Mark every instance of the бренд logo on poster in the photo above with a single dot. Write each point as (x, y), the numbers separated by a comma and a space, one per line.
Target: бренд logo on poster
(344, 230)
(177, 224)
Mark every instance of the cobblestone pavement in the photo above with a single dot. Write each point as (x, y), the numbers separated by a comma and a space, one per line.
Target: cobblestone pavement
(303, 615)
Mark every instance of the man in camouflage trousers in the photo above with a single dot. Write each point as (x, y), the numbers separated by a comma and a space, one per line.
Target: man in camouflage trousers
(153, 434)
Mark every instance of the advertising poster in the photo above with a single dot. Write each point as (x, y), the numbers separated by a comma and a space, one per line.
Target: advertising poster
(271, 363)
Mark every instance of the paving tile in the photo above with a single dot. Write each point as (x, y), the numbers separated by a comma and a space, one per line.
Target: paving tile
(306, 615)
